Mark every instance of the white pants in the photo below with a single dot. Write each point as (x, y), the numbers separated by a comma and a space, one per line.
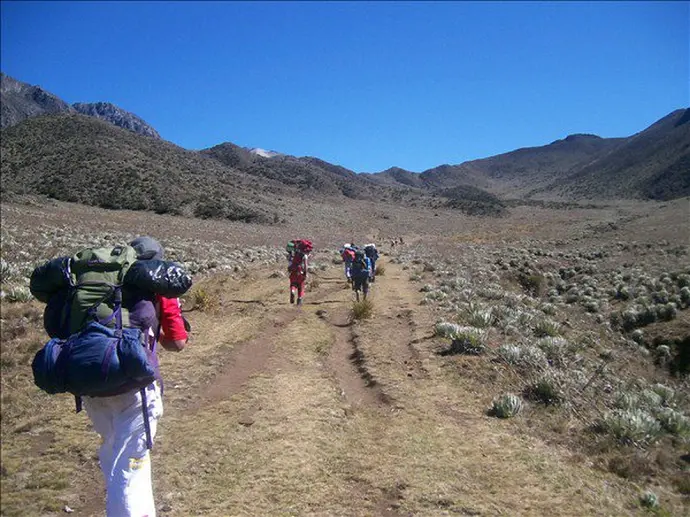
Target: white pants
(125, 460)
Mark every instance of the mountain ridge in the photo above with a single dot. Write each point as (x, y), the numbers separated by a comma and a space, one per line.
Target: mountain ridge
(21, 100)
(651, 164)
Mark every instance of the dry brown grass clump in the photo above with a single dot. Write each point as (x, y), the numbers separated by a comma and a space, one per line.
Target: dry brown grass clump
(362, 310)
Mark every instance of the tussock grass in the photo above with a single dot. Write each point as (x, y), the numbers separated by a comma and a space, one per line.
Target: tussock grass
(362, 310)
(380, 270)
(203, 299)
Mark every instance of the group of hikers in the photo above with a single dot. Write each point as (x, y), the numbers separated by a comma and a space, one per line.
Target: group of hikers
(360, 267)
(106, 311)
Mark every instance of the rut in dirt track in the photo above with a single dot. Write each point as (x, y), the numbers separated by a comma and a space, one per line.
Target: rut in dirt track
(346, 361)
(251, 357)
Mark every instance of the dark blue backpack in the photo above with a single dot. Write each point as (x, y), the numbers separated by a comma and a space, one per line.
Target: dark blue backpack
(94, 362)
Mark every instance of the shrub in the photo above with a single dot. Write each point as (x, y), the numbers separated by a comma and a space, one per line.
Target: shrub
(637, 336)
(446, 329)
(505, 406)
(203, 300)
(468, 340)
(436, 295)
(674, 422)
(667, 394)
(649, 500)
(632, 426)
(478, 317)
(18, 294)
(546, 327)
(380, 270)
(511, 354)
(362, 310)
(555, 349)
(547, 389)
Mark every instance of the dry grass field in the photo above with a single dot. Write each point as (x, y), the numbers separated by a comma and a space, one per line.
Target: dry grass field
(581, 315)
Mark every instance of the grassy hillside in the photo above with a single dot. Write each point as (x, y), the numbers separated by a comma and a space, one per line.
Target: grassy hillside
(84, 160)
(651, 164)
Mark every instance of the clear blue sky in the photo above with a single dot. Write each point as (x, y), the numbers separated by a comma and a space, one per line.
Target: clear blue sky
(366, 85)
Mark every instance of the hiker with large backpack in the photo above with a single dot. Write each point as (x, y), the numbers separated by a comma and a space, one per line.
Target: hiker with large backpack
(372, 253)
(347, 253)
(298, 268)
(361, 270)
(106, 311)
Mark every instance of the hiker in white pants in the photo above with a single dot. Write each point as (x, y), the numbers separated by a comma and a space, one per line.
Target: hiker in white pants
(125, 459)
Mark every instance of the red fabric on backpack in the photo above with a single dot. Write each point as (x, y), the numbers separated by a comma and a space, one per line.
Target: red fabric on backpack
(303, 245)
(172, 324)
(348, 255)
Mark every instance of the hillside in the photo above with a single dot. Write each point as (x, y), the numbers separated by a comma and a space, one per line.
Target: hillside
(76, 158)
(652, 164)
(311, 176)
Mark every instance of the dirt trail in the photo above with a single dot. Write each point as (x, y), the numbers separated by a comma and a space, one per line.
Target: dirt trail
(307, 413)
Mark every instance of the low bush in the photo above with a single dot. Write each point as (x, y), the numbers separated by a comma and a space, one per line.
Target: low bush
(201, 299)
(468, 340)
(362, 310)
(505, 406)
(632, 426)
(547, 390)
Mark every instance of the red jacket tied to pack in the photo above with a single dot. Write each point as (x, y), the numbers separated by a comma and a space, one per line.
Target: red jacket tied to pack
(303, 245)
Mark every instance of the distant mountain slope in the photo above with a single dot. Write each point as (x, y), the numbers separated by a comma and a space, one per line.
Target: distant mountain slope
(19, 101)
(312, 176)
(654, 163)
(396, 175)
(116, 116)
(232, 155)
(82, 159)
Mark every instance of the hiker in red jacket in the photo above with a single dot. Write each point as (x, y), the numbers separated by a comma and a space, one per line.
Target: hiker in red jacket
(298, 275)
(298, 267)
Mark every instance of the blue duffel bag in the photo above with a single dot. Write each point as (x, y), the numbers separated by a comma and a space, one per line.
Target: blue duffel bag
(95, 362)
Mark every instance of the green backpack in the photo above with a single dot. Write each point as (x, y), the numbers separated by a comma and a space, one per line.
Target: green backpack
(97, 274)
(87, 285)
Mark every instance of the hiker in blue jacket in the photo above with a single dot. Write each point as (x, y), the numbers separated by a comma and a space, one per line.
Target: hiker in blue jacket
(373, 255)
(360, 271)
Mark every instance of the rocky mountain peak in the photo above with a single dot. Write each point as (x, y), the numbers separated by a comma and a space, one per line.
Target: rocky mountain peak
(116, 116)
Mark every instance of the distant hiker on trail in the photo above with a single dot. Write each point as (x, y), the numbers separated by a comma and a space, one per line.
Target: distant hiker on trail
(372, 253)
(347, 253)
(106, 311)
(298, 268)
(361, 269)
